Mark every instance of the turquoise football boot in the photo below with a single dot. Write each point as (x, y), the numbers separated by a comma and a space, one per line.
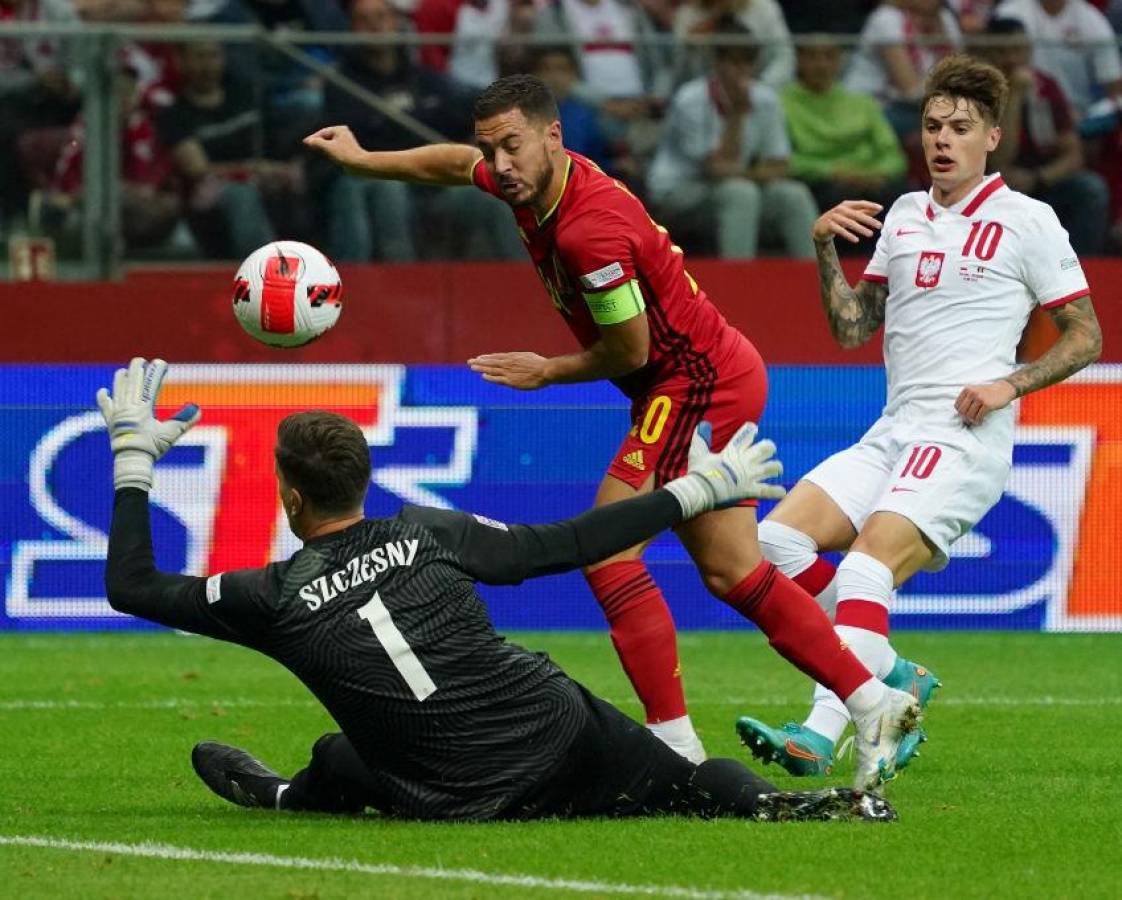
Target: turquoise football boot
(909, 747)
(913, 679)
(796, 748)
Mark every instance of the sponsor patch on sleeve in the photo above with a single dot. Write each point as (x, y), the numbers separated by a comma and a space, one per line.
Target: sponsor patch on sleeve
(1069, 262)
(214, 588)
(490, 523)
(599, 278)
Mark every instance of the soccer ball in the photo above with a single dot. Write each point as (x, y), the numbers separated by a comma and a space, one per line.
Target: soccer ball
(287, 294)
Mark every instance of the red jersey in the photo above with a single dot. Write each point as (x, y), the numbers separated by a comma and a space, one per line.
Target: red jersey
(144, 160)
(598, 236)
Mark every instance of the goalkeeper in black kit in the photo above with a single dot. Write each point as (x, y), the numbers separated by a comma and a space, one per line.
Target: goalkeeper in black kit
(439, 717)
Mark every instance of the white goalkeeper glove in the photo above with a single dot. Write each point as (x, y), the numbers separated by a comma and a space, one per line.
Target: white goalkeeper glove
(138, 439)
(738, 472)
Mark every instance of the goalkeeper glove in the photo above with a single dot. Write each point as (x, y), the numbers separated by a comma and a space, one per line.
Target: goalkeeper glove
(720, 479)
(138, 439)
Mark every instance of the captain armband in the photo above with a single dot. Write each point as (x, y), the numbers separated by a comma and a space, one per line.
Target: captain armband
(621, 303)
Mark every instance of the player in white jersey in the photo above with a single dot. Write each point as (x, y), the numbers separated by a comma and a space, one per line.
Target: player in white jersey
(954, 276)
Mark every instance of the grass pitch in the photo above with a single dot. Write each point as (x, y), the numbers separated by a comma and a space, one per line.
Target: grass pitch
(1018, 793)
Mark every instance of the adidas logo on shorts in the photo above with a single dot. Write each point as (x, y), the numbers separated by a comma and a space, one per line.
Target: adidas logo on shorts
(635, 460)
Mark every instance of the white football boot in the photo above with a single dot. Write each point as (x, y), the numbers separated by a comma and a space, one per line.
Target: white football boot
(879, 732)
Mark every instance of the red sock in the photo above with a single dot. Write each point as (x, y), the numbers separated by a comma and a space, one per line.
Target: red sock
(797, 628)
(644, 637)
(816, 576)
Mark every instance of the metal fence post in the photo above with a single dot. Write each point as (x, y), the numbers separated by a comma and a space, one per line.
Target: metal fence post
(101, 244)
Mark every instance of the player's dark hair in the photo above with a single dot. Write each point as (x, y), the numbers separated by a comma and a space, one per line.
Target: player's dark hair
(526, 93)
(962, 77)
(728, 28)
(324, 456)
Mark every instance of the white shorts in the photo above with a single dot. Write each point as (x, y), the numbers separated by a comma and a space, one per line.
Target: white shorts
(940, 477)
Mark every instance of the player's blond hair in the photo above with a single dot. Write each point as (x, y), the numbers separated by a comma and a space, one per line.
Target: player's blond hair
(962, 77)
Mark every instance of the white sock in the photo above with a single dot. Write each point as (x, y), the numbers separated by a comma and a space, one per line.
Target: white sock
(865, 697)
(828, 716)
(792, 552)
(867, 580)
(679, 735)
(828, 599)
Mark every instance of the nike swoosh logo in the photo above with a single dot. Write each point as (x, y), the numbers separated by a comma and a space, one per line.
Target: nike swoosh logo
(897, 490)
(800, 753)
(900, 232)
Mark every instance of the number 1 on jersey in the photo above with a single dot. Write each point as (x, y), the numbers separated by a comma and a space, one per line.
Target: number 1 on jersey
(397, 648)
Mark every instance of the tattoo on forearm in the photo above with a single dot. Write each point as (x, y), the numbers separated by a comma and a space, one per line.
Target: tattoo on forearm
(1079, 344)
(854, 314)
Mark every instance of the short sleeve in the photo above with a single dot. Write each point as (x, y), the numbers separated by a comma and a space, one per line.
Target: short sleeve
(877, 267)
(597, 249)
(482, 178)
(1050, 268)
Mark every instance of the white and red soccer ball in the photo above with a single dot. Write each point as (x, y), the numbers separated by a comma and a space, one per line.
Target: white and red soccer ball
(287, 294)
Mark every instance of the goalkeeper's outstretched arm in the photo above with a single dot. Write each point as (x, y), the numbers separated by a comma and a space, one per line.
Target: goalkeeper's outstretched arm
(445, 164)
(495, 553)
(134, 585)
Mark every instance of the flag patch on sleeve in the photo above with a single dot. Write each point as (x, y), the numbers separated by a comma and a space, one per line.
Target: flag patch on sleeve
(599, 278)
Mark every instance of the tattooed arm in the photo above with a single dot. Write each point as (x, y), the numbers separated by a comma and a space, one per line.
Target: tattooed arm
(1078, 345)
(854, 313)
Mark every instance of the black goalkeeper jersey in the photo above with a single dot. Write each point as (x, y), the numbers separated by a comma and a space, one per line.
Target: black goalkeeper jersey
(383, 624)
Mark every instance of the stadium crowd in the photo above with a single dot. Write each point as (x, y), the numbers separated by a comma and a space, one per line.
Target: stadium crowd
(736, 147)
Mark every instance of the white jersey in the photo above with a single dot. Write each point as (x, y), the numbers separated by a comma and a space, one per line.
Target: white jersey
(962, 281)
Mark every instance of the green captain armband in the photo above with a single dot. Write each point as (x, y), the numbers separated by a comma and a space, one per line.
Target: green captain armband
(623, 302)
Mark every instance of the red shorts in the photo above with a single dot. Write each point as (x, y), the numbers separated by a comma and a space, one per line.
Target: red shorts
(664, 419)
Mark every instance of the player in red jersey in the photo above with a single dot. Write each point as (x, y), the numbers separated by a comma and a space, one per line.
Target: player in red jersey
(641, 321)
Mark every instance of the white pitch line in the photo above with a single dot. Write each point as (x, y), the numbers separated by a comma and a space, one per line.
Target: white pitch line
(18, 705)
(189, 854)
(169, 703)
(937, 702)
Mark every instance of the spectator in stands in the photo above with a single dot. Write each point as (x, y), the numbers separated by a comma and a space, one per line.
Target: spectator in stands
(150, 204)
(899, 44)
(724, 157)
(1074, 43)
(37, 89)
(375, 219)
(841, 143)
(580, 124)
(1040, 153)
(481, 51)
(763, 18)
(293, 93)
(625, 76)
(156, 63)
(214, 132)
(972, 15)
(436, 17)
(619, 70)
(834, 17)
